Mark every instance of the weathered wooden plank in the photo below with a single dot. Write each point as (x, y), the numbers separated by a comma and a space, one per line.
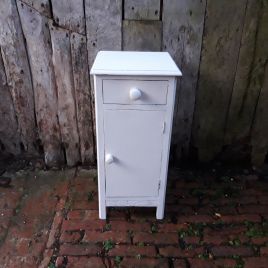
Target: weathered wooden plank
(36, 32)
(221, 42)
(182, 37)
(240, 115)
(9, 138)
(142, 10)
(62, 62)
(42, 6)
(83, 97)
(103, 24)
(18, 73)
(259, 140)
(69, 14)
(142, 35)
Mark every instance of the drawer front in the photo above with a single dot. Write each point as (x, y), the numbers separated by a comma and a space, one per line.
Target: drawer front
(129, 92)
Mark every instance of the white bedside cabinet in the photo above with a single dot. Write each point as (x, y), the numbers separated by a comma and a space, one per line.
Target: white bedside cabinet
(134, 101)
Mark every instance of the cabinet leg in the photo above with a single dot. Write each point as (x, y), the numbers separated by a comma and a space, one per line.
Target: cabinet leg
(102, 212)
(159, 212)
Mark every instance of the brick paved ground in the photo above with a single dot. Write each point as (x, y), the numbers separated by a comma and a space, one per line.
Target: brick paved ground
(50, 219)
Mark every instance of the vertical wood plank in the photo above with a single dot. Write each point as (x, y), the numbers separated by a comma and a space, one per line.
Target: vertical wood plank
(36, 31)
(66, 97)
(142, 10)
(83, 98)
(103, 24)
(18, 73)
(182, 37)
(42, 6)
(142, 35)
(240, 115)
(259, 140)
(69, 14)
(221, 42)
(9, 138)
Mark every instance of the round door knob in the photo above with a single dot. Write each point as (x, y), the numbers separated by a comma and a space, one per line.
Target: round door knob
(134, 93)
(109, 158)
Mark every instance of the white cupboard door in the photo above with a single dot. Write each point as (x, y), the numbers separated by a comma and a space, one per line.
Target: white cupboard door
(133, 152)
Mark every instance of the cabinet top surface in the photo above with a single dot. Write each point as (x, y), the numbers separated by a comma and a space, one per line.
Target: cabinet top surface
(134, 63)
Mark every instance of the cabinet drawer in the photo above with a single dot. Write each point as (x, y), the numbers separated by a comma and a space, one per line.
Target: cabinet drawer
(144, 92)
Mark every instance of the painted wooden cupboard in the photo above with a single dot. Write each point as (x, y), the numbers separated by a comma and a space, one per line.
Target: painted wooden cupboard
(134, 102)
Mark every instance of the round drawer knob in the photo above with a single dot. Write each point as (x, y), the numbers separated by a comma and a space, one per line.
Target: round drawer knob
(134, 94)
(109, 158)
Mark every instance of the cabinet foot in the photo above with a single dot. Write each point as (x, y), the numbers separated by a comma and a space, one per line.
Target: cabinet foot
(102, 213)
(159, 213)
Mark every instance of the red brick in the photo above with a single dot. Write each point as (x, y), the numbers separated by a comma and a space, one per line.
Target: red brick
(240, 218)
(179, 263)
(256, 262)
(259, 240)
(78, 250)
(92, 262)
(70, 237)
(156, 238)
(72, 225)
(199, 263)
(263, 199)
(144, 263)
(264, 251)
(191, 239)
(125, 226)
(259, 209)
(59, 261)
(95, 237)
(85, 204)
(46, 258)
(132, 251)
(228, 251)
(225, 263)
(54, 229)
(177, 252)
(246, 200)
(195, 219)
(171, 227)
(117, 214)
(83, 215)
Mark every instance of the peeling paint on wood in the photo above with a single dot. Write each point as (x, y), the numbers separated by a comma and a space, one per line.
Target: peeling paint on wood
(219, 58)
(42, 6)
(182, 37)
(18, 73)
(69, 14)
(142, 35)
(83, 98)
(142, 10)
(66, 97)
(36, 31)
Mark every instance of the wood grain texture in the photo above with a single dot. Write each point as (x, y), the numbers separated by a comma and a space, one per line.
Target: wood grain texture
(142, 35)
(18, 73)
(36, 31)
(9, 138)
(42, 6)
(69, 14)
(259, 139)
(220, 50)
(182, 37)
(83, 97)
(142, 10)
(62, 62)
(240, 113)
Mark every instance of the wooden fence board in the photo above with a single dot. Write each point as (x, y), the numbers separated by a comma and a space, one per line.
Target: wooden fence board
(18, 73)
(182, 37)
(83, 97)
(36, 31)
(142, 35)
(9, 138)
(259, 139)
(240, 116)
(69, 14)
(66, 97)
(221, 42)
(142, 10)
(42, 6)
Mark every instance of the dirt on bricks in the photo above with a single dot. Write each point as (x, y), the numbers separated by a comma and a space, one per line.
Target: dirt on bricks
(212, 219)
